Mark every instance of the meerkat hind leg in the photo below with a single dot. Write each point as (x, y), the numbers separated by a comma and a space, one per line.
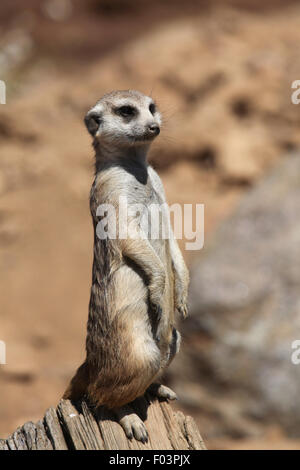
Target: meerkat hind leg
(161, 391)
(131, 423)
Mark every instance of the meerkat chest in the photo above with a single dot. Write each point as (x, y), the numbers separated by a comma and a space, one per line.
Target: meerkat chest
(145, 193)
(150, 210)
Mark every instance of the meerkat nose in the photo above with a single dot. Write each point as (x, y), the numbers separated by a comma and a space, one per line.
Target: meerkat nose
(154, 129)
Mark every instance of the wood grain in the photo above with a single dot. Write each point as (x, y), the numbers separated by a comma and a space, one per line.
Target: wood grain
(78, 427)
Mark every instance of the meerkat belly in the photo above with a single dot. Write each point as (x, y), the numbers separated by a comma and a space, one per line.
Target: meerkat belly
(131, 307)
(153, 223)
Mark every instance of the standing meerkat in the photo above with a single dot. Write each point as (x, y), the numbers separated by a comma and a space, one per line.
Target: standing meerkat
(137, 282)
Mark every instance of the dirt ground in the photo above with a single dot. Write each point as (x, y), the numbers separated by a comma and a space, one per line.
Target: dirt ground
(222, 76)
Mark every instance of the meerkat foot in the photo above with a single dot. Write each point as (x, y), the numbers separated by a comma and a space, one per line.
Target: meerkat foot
(161, 391)
(131, 423)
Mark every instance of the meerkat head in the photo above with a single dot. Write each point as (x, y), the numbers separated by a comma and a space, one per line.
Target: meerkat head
(123, 119)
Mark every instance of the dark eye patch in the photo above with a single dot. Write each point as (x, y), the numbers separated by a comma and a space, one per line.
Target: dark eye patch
(152, 108)
(126, 111)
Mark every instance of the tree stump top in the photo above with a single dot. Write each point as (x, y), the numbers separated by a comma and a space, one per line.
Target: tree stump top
(79, 427)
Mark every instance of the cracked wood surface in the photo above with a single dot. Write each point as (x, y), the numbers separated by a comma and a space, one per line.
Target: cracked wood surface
(79, 427)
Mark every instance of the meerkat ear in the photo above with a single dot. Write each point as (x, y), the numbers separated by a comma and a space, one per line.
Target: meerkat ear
(92, 121)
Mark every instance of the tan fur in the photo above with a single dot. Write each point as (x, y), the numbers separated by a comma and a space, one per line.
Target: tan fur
(137, 283)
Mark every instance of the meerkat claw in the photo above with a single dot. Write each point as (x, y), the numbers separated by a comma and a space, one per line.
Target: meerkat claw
(140, 432)
(183, 310)
(161, 391)
(133, 426)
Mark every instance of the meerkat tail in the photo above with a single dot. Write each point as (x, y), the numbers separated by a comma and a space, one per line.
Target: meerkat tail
(79, 383)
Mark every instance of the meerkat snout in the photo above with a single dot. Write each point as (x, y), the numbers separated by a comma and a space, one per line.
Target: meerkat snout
(154, 129)
(124, 118)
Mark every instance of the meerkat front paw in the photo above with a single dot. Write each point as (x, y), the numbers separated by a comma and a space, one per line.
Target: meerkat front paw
(182, 308)
(132, 424)
(161, 391)
(156, 291)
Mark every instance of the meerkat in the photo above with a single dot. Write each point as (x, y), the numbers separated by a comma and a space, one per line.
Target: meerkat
(138, 283)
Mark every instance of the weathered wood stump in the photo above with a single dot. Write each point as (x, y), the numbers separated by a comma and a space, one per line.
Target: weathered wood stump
(79, 427)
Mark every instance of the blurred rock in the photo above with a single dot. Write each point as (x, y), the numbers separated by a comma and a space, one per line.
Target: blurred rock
(15, 48)
(245, 304)
(58, 10)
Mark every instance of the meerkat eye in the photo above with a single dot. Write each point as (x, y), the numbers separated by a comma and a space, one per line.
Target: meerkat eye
(126, 111)
(152, 108)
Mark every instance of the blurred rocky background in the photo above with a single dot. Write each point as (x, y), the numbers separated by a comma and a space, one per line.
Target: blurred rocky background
(221, 72)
